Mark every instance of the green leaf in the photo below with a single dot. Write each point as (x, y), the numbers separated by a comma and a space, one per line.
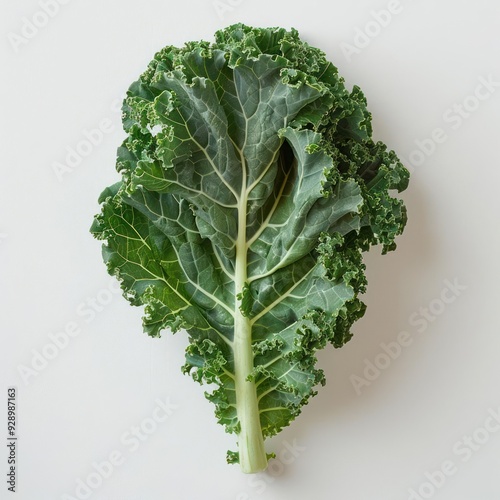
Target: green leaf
(250, 188)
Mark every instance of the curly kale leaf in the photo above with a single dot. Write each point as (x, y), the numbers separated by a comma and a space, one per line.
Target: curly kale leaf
(250, 188)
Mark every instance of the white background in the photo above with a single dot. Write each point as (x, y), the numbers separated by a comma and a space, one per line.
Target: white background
(376, 443)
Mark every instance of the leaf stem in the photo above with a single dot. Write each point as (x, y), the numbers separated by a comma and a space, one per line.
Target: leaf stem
(252, 454)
